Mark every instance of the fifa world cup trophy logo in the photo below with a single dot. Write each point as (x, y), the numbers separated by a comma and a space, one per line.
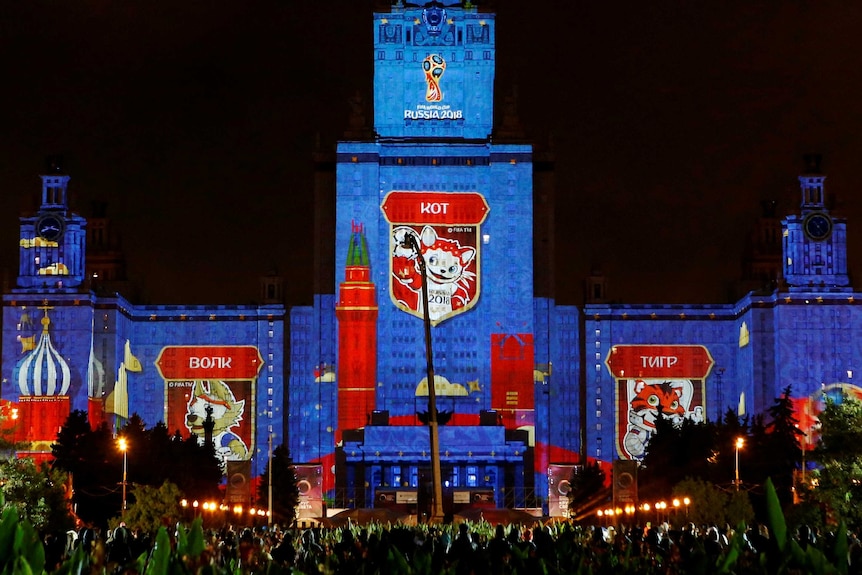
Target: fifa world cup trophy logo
(434, 66)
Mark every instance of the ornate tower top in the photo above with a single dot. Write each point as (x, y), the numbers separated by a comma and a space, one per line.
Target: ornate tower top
(52, 242)
(357, 251)
(434, 71)
(814, 242)
(811, 183)
(55, 183)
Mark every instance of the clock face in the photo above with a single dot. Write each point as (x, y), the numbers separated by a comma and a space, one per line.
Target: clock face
(818, 226)
(50, 227)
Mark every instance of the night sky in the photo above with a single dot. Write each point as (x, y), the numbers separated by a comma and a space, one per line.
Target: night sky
(196, 121)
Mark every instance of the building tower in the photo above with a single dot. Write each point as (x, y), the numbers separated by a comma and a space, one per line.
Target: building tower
(761, 270)
(815, 242)
(106, 262)
(356, 311)
(52, 242)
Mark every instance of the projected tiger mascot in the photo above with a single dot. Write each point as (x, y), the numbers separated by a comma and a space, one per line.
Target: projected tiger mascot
(216, 397)
(651, 399)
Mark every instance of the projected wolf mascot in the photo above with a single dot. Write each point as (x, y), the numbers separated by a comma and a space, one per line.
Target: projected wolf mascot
(215, 398)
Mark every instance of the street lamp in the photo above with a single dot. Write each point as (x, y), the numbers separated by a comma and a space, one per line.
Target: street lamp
(124, 447)
(740, 441)
(436, 475)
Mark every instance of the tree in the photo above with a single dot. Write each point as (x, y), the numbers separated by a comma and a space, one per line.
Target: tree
(197, 470)
(777, 451)
(154, 507)
(587, 489)
(38, 493)
(8, 445)
(675, 452)
(738, 508)
(95, 462)
(285, 492)
(92, 459)
(711, 505)
(156, 456)
(839, 455)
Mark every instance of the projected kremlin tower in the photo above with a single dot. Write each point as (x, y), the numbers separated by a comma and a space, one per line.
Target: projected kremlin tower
(357, 337)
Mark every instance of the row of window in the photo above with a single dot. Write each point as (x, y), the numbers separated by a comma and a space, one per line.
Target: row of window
(453, 476)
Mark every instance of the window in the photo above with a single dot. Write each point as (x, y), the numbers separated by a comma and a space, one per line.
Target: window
(472, 476)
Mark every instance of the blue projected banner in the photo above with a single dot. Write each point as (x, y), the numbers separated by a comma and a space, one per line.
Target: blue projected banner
(434, 73)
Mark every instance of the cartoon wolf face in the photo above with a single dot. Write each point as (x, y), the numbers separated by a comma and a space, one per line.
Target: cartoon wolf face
(214, 397)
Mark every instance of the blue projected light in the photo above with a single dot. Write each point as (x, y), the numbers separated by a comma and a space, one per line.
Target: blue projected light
(434, 73)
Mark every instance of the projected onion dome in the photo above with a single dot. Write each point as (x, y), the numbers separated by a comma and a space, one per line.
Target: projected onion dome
(43, 371)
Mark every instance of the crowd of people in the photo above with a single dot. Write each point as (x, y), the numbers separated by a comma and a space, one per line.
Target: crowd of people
(464, 548)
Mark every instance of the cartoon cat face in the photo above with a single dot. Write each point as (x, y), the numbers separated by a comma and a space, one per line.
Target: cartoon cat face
(445, 259)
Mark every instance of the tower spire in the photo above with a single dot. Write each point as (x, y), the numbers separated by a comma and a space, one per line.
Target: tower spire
(52, 242)
(357, 250)
(811, 182)
(55, 183)
(356, 311)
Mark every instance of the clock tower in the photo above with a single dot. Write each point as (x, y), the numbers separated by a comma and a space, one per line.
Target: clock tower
(52, 242)
(815, 242)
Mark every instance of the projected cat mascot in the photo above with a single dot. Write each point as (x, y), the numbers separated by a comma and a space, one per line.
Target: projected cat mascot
(446, 262)
(216, 397)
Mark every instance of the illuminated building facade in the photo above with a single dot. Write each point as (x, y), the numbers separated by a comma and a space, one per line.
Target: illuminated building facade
(69, 347)
(524, 385)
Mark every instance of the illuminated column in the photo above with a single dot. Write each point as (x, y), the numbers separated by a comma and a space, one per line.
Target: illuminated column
(356, 311)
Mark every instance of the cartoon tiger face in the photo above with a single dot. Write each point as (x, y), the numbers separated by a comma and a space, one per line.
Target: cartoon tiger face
(652, 399)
